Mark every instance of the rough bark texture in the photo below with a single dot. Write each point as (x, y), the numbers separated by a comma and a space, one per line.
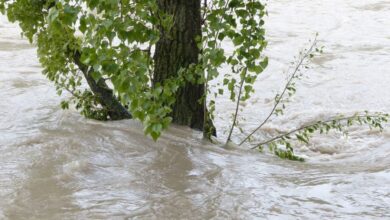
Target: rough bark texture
(116, 111)
(178, 49)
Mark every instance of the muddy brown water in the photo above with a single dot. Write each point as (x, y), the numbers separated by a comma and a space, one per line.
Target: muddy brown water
(55, 164)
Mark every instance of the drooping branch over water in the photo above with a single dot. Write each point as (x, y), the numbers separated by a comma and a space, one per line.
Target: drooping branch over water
(304, 133)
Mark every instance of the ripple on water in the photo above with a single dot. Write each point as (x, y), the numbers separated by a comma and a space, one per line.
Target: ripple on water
(375, 6)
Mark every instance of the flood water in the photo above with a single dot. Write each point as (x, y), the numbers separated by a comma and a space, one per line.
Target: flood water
(55, 164)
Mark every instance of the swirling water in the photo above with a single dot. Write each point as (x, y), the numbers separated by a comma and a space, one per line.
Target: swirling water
(55, 164)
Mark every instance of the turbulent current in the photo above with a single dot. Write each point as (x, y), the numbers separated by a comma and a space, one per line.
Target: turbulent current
(55, 164)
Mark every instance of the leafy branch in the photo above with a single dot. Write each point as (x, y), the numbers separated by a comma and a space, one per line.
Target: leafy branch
(288, 87)
(305, 133)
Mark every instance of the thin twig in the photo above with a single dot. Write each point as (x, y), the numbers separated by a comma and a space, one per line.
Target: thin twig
(313, 124)
(279, 99)
(237, 106)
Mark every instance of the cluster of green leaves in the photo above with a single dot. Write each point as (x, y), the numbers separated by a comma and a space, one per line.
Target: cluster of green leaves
(240, 23)
(114, 39)
(111, 37)
(88, 104)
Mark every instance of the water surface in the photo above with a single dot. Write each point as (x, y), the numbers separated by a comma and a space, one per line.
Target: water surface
(55, 164)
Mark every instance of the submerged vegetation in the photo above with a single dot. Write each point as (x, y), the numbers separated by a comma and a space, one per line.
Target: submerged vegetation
(153, 60)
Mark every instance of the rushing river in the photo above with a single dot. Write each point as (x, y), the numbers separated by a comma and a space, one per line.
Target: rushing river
(55, 164)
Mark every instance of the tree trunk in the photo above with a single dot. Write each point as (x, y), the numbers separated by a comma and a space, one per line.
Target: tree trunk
(178, 49)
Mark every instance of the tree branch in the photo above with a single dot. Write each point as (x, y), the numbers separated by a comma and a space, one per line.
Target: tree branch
(105, 95)
(237, 106)
(303, 58)
(336, 118)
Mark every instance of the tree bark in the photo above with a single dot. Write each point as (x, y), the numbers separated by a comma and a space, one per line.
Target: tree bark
(178, 49)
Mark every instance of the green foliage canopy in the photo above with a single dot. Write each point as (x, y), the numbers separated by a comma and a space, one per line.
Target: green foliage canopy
(115, 41)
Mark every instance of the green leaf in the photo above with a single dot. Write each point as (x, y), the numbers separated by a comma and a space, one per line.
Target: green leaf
(302, 138)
